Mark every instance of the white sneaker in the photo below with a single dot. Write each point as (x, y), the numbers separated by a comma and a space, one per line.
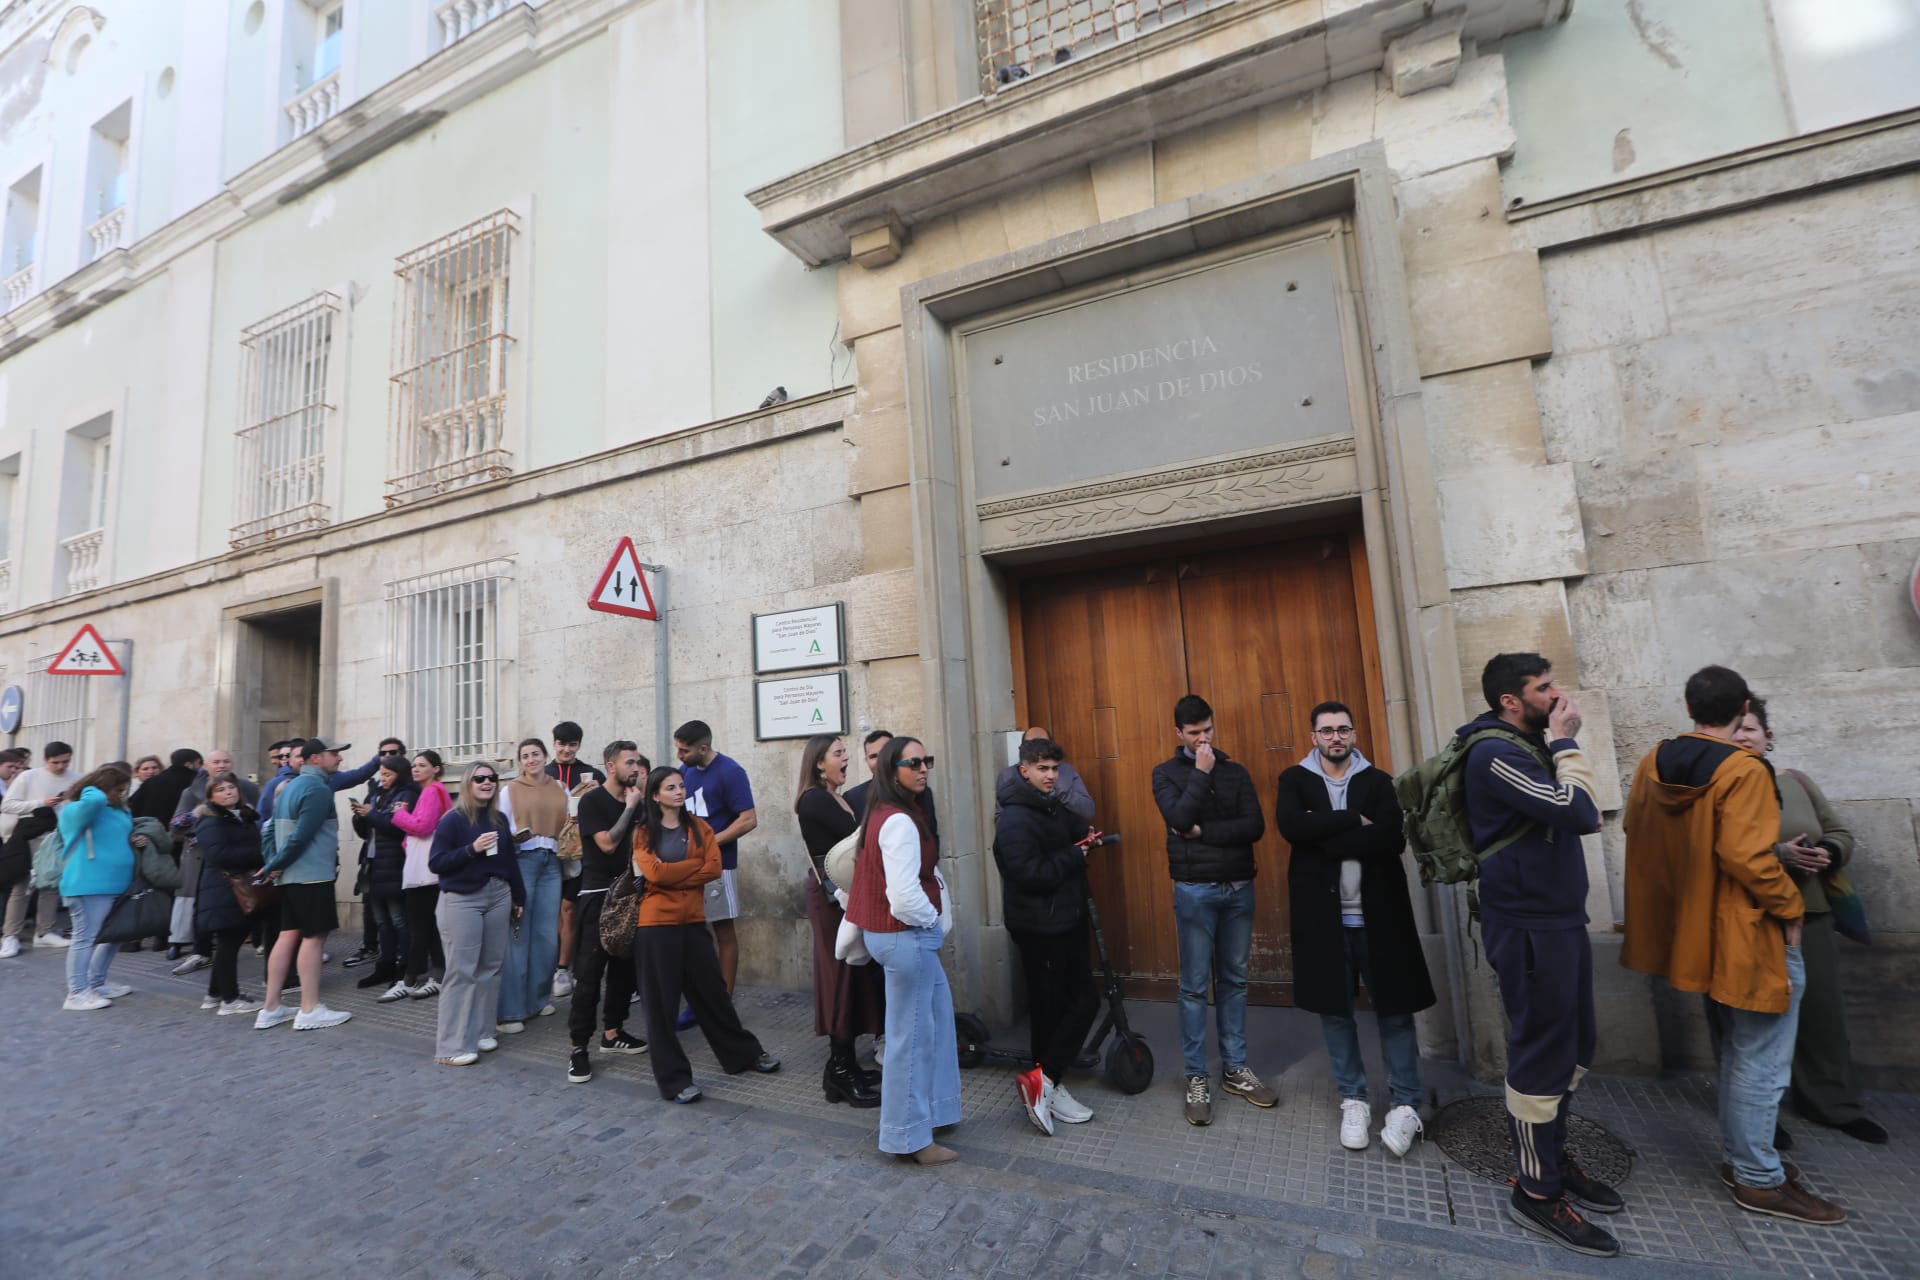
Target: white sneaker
(1355, 1118)
(9, 948)
(546, 1012)
(210, 1002)
(52, 940)
(114, 990)
(87, 1000)
(509, 1028)
(242, 1005)
(879, 1051)
(320, 1017)
(1069, 1108)
(459, 1060)
(1402, 1127)
(272, 1017)
(562, 985)
(398, 991)
(488, 1044)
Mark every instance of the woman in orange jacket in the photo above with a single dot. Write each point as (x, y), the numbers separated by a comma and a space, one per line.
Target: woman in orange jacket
(674, 857)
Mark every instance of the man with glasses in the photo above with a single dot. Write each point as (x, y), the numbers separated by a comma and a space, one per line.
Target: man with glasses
(1213, 821)
(1352, 921)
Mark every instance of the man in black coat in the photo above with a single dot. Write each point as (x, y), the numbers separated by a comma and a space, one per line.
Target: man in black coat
(1353, 921)
(1041, 848)
(1213, 821)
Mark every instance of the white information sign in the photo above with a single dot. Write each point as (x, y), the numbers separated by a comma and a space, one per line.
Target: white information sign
(800, 706)
(798, 638)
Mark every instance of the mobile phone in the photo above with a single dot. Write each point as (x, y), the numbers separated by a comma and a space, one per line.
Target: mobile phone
(522, 834)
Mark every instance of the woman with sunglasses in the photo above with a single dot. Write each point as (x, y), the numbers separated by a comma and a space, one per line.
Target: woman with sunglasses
(675, 857)
(481, 901)
(900, 902)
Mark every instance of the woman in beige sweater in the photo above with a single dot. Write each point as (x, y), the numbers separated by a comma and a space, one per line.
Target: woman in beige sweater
(1814, 841)
(536, 809)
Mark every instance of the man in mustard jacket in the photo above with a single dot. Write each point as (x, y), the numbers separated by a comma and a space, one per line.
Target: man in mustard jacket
(1710, 909)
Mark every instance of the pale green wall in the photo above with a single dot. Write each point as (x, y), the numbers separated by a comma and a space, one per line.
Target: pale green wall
(1607, 96)
(773, 104)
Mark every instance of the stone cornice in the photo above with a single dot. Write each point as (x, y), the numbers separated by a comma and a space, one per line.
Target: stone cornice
(746, 431)
(505, 48)
(1200, 68)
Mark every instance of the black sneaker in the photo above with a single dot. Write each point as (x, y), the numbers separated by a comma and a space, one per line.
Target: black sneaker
(579, 1066)
(1561, 1223)
(623, 1042)
(1589, 1193)
(360, 957)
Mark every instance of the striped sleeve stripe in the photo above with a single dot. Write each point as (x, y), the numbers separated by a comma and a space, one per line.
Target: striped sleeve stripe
(1530, 786)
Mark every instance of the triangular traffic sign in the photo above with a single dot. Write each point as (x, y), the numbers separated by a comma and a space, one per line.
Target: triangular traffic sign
(86, 655)
(623, 588)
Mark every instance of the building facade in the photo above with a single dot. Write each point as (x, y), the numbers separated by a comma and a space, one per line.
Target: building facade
(1271, 349)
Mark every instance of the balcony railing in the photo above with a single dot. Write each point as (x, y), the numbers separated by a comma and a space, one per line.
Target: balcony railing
(282, 468)
(109, 233)
(461, 18)
(83, 560)
(314, 105)
(20, 286)
(6, 586)
(1022, 38)
(450, 449)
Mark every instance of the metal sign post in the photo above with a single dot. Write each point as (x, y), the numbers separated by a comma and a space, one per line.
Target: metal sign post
(662, 711)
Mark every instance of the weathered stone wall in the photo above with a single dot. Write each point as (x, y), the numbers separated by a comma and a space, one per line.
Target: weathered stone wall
(1737, 402)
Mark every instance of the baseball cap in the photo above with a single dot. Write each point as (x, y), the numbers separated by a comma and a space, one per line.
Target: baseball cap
(314, 746)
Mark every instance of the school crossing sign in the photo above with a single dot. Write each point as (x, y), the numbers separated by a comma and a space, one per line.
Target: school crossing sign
(86, 655)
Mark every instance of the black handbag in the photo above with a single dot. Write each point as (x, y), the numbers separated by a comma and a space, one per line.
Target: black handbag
(141, 912)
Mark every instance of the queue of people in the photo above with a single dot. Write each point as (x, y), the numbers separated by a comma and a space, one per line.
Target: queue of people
(1732, 888)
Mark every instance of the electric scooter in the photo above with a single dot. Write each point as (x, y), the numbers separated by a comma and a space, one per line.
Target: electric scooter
(1128, 1061)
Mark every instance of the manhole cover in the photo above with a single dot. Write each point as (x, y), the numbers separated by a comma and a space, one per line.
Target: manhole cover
(1473, 1132)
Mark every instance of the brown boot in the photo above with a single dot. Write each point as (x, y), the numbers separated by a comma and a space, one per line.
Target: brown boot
(1726, 1173)
(1789, 1200)
(932, 1153)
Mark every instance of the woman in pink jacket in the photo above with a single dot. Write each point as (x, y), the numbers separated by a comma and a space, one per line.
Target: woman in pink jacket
(419, 886)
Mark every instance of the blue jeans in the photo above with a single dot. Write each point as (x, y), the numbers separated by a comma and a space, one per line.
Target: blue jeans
(1756, 1063)
(86, 963)
(526, 984)
(1398, 1045)
(1215, 923)
(920, 1088)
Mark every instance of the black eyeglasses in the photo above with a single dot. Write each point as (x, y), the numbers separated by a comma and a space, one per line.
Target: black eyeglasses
(478, 778)
(1335, 731)
(916, 762)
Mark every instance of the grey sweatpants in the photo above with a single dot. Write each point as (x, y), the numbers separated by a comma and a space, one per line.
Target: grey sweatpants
(474, 931)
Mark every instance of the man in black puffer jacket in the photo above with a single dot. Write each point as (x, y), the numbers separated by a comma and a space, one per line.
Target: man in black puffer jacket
(1041, 850)
(1213, 821)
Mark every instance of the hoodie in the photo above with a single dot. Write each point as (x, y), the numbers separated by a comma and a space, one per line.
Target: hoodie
(1705, 891)
(1540, 880)
(1350, 913)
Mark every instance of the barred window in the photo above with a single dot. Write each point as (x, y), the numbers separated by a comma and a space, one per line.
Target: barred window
(1020, 38)
(58, 709)
(451, 340)
(283, 397)
(444, 660)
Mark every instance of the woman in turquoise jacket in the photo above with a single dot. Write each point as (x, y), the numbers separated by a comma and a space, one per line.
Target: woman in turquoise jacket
(97, 832)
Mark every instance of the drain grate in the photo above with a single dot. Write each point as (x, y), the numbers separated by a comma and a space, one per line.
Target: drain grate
(1473, 1133)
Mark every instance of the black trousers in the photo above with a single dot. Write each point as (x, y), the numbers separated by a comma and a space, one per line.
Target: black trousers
(1062, 1001)
(389, 916)
(675, 960)
(591, 966)
(223, 980)
(423, 932)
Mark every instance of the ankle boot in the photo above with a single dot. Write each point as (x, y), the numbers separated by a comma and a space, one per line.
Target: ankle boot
(842, 1082)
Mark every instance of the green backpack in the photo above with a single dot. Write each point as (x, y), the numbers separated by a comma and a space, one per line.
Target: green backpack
(1433, 800)
(49, 860)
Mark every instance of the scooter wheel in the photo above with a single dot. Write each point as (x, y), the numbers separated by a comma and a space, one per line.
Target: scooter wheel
(1130, 1065)
(970, 1036)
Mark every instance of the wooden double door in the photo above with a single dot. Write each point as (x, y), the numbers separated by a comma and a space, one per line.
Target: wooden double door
(1262, 632)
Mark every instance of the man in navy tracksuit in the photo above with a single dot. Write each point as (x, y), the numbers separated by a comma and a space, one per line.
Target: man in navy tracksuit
(1530, 780)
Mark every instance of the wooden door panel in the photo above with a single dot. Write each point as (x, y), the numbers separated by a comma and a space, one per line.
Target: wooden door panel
(1263, 633)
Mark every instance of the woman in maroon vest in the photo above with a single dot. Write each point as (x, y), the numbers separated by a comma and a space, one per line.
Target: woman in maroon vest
(901, 903)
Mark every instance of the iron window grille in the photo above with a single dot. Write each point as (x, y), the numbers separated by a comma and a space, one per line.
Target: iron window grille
(283, 395)
(1022, 38)
(445, 660)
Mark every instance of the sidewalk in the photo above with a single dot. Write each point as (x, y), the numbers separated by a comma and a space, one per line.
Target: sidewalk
(1284, 1165)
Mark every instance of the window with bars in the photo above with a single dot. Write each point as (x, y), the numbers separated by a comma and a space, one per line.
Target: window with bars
(451, 342)
(445, 658)
(283, 396)
(1021, 38)
(58, 709)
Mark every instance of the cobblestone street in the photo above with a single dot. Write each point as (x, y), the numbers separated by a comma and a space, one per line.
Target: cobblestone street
(169, 1142)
